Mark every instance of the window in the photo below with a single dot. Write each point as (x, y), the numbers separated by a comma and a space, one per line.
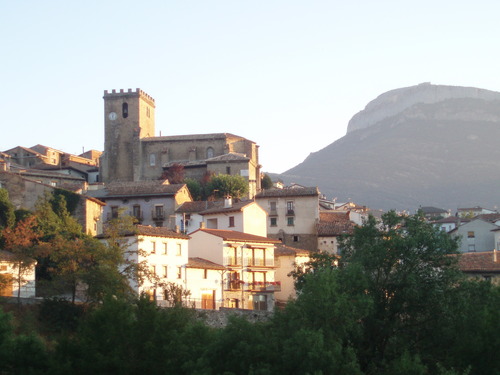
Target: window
(153, 247)
(289, 221)
(165, 248)
(179, 249)
(165, 271)
(148, 112)
(179, 272)
(472, 248)
(205, 273)
(212, 223)
(210, 152)
(136, 211)
(289, 208)
(470, 234)
(272, 208)
(125, 110)
(274, 221)
(114, 212)
(228, 170)
(231, 221)
(295, 238)
(152, 160)
(158, 212)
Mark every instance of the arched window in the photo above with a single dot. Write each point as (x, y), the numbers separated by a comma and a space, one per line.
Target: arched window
(125, 110)
(210, 152)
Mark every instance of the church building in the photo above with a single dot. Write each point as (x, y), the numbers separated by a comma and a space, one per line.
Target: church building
(132, 152)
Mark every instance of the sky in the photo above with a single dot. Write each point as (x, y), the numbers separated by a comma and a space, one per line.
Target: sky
(288, 75)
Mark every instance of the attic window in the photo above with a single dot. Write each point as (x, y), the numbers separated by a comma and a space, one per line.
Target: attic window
(125, 110)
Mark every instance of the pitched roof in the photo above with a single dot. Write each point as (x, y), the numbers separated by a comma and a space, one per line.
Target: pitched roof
(196, 262)
(232, 156)
(197, 206)
(232, 235)
(334, 223)
(288, 192)
(452, 219)
(146, 230)
(136, 188)
(489, 217)
(189, 137)
(479, 262)
(7, 256)
(432, 210)
(238, 206)
(283, 250)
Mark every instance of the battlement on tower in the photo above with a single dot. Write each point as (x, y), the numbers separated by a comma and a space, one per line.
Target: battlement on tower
(129, 93)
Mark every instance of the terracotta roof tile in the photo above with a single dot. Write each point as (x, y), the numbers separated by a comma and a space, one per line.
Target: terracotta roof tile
(479, 262)
(283, 250)
(197, 206)
(147, 230)
(135, 188)
(238, 206)
(196, 262)
(232, 235)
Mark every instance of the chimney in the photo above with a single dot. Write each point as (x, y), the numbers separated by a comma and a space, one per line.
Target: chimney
(494, 255)
(228, 202)
(177, 229)
(202, 225)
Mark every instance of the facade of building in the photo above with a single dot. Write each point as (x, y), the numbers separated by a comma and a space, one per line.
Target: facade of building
(132, 152)
(331, 225)
(292, 215)
(24, 193)
(12, 284)
(204, 280)
(149, 202)
(249, 280)
(476, 235)
(286, 260)
(482, 265)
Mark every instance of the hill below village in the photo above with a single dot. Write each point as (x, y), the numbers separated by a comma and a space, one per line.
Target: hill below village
(425, 145)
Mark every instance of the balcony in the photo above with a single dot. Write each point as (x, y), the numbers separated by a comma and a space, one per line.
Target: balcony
(158, 215)
(265, 286)
(290, 212)
(234, 285)
(260, 262)
(232, 261)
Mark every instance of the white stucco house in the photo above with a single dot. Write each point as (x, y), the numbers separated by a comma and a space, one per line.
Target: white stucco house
(249, 280)
(13, 284)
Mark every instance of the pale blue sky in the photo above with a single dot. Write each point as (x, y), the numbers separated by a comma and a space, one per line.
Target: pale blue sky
(286, 74)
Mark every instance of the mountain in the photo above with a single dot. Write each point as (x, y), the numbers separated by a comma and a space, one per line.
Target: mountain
(425, 145)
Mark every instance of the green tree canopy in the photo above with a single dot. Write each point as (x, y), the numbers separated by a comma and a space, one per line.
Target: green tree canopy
(223, 185)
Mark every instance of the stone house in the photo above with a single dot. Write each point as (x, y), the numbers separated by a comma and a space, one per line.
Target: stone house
(249, 280)
(331, 225)
(24, 194)
(133, 152)
(292, 215)
(149, 202)
(9, 269)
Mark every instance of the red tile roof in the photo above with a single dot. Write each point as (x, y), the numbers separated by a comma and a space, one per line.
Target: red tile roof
(196, 262)
(232, 235)
(479, 262)
(238, 206)
(283, 250)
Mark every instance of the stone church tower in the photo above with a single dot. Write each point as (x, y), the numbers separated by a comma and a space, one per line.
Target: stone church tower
(129, 116)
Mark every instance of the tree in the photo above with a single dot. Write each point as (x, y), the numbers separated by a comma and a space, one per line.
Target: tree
(22, 240)
(7, 211)
(174, 174)
(393, 290)
(228, 185)
(195, 189)
(266, 182)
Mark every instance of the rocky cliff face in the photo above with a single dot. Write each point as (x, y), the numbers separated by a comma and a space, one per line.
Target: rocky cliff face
(396, 101)
(402, 152)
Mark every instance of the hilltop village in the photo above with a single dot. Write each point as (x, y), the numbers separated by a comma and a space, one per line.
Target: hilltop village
(223, 247)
